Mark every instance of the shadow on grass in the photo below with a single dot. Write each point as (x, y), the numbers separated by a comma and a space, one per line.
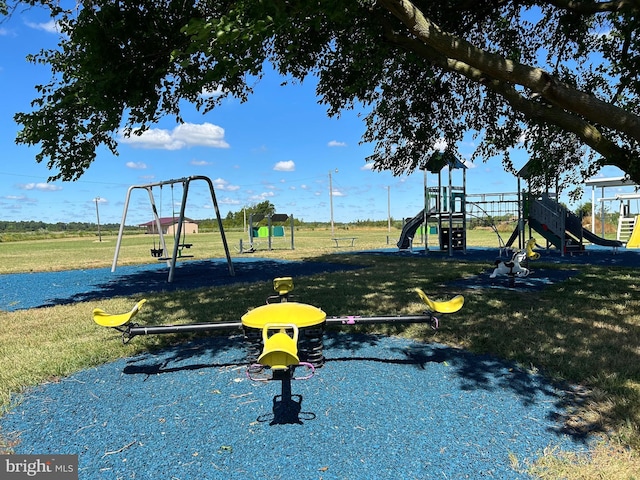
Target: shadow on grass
(46, 289)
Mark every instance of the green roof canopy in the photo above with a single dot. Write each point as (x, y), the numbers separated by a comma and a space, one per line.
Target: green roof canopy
(439, 160)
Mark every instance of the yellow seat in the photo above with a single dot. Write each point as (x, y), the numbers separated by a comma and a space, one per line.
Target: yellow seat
(450, 306)
(283, 285)
(280, 351)
(531, 255)
(298, 314)
(105, 319)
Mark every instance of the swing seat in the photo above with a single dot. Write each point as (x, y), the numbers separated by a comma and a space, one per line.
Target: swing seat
(280, 351)
(157, 252)
(449, 306)
(105, 319)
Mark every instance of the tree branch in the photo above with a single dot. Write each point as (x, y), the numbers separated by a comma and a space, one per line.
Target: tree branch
(500, 68)
(591, 7)
(588, 133)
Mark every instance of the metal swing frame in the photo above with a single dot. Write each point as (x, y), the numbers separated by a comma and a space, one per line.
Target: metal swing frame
(171, 261)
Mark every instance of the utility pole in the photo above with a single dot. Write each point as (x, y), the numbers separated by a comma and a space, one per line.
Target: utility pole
(389, 209)
(331, 200)
(97, 200)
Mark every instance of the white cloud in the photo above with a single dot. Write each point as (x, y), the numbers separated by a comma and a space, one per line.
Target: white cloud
(285, 166)
(43, 187)
(183, 136)
(222, 184)
(262, 196)
(335, 143)
(367, 166)
(229, 201)
(207, 93)
(51, 26)
(136, 165)
(337, 193)
(199, 163)
(205, 135)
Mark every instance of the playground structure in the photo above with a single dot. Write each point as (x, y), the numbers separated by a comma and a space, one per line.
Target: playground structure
(448, 210)
(628, 231)
(275, 228)
(280, 336)
(179, 241)
(444, 207)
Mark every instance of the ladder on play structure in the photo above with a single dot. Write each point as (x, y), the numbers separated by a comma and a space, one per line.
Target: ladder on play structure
(625, 228)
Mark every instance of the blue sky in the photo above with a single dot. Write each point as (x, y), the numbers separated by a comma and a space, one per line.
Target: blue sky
(279, 146)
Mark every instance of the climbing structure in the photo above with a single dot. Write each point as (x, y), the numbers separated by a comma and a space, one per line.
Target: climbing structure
(444, 213)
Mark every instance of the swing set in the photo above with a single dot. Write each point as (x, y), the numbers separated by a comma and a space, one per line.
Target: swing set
(160, 251)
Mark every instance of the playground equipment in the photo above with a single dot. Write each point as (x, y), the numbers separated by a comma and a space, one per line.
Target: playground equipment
(634, 238)
(444, 207)
(512, 267)
(447, 208)
(280, 336)
(269, 231)
(160, 252)
(554, 222)
(626, 221)
(517, 266)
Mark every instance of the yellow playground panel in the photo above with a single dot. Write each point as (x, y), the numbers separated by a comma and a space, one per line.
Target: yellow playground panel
(634, 240)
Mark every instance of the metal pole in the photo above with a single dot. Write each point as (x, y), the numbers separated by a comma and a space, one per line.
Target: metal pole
(176, 240)
(220, 225)
(331, 201)
(382, 319)
(193, 327)
(97, 199)
(389, 210)
(200, 327)
(121, 230)
(450, 207)
(425, 211)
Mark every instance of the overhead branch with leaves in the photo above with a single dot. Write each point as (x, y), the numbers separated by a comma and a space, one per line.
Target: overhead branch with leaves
(558, 77)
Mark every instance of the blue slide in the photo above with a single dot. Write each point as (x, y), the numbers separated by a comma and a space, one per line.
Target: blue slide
(409, 229)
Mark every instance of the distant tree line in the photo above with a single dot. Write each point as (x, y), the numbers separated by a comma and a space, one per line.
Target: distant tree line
(235, 220)
(36, 226)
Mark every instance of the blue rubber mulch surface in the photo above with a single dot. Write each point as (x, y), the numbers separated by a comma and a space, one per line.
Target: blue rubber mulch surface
(383, 408)
(42, 289)
(592, 255)
(536, 280)
(539, 277)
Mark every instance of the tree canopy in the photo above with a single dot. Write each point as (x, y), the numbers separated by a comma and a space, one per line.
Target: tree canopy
(557, 77)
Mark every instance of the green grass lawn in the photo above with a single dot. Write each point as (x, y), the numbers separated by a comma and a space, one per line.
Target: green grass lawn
(584, 331)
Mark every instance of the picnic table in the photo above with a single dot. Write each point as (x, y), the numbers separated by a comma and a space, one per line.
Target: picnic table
(344, 239)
